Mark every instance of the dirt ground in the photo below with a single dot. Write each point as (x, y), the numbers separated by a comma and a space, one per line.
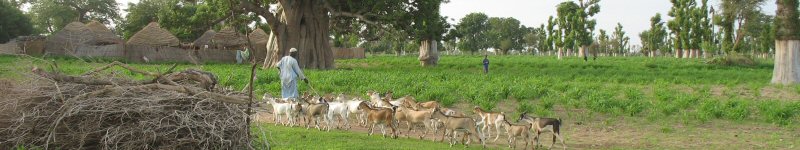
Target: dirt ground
(600, 132)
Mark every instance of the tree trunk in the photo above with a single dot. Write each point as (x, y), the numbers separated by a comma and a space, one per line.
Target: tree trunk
(678, 53)
(582, 52)
(685, 53)
(428, 53)
(787, 62)
(273, 55)
(560, 53)
(303, 24)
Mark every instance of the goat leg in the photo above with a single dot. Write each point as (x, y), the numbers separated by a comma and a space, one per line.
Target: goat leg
(371, 128)
(497, 131)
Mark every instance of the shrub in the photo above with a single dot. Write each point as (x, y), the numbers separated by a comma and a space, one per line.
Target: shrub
(778, 112)
(733, 60)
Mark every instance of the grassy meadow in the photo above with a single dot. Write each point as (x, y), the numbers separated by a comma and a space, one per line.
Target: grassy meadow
(646, 92)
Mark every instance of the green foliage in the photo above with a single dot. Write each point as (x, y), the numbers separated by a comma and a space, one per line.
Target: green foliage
(52, 15)
(140, 14)
(733, 60)
(574, 22)
(787, 20)
(691, 25)
(655, 38)
(13, 23)
(780, 113)
(185, 19)
(472, 32)
(505, 34)
(619, 40)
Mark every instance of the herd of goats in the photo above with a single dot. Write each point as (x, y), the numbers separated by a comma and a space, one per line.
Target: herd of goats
(393, 112)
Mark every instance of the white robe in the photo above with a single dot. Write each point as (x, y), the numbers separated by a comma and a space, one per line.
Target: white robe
(289, 73)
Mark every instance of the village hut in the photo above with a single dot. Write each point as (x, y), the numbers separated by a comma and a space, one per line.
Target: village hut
(259, 39)
(227, 38)
(204, 39)
(153, 35)
(103, 35)
(69, 38)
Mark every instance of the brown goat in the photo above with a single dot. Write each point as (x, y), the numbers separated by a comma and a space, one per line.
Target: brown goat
(514, 131)
(544, 124)
(490, 120)
(316, 112)
(381, 116)
(429, 104)
(459, 124)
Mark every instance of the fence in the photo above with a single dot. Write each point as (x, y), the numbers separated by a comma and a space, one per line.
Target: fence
(133, 53)
(348, 53)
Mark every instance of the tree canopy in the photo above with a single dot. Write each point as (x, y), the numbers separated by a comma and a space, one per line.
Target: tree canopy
(13, 23)
(52, 15)
(471, 32)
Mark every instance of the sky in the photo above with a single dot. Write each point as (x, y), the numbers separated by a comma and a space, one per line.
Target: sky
(634, 15)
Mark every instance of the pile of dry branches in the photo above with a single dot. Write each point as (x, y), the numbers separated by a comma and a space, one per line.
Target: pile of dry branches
(101, 110)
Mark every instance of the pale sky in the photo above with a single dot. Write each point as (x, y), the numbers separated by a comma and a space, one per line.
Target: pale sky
(633, 14)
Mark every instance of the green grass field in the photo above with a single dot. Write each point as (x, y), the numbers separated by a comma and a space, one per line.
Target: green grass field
(679, 92)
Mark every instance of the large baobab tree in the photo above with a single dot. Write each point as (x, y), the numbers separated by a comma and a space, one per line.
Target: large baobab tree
(306, 24)
(787, 43)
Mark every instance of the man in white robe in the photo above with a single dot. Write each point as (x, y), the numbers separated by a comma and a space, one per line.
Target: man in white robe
(289, 73)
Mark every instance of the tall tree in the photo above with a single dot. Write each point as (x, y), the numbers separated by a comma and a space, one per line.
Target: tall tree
(472, 32)
(554, 39)
(535, 38)
(603, 42)
(52, 15)
(505, 34)
(681, 15)
(304, 24)
(575, 23)
(620, 40)
(690, 26)
(13, 23)
(787, 43)
(654, 39)
(736, 14)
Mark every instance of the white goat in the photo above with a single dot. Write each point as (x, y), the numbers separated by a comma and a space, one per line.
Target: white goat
(340, 109)
(376, 100)
(290, 109)
(352, 108)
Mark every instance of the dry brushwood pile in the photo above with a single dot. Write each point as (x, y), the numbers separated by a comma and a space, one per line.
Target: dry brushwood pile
(103, 110)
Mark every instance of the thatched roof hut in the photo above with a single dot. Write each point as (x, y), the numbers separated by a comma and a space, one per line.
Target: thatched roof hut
(103, 35)
(227, 37)
(153, 35)
(204, 39)
(73, 34)
(258, 36)
(259, 39)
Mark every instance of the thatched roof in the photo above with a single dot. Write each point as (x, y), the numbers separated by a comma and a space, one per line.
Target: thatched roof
(102, 34)
(153, 35)
(258, 36)
(74, 33)
(205, 39)
(227, 37)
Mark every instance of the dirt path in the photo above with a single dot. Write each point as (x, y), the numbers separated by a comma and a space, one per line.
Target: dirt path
(598, 132)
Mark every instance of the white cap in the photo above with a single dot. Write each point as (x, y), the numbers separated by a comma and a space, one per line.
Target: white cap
(292, 50)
